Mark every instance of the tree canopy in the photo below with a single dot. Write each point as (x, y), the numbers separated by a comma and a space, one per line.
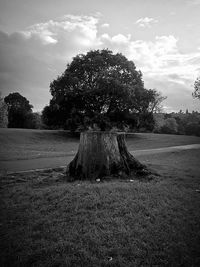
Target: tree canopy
(102, 89)
(19, 111)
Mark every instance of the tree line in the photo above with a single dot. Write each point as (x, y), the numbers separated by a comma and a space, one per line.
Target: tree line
(178, 123)
(100, 91)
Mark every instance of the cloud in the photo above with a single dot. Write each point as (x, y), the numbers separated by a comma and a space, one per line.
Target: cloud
(105, 25)
(79, 29)
(158, 57)
(116, 40)
(193, 2)
(146, 22)
(163, 66)
(23, 67)
(32, 58)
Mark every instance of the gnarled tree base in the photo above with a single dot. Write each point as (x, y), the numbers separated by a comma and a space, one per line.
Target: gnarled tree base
(103, 154)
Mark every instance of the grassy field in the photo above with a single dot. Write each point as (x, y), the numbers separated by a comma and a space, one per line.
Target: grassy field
(26, 144)
(19, 144)
(46, 221)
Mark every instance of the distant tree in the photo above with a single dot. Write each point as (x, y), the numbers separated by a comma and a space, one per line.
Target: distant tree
(170, 126)
(34, 121)
(167, 115)
(192, 128)
(159, 121)
(155, 100)
(180, 120)
(146, 122)
(3, 113)
(196, 92)
(178, 123)
(19, 111)
(37, 120)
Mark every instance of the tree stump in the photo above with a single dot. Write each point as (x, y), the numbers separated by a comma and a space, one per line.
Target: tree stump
(101, 155)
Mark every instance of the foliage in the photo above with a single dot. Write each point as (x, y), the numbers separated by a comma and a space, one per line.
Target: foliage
(156, 98)
(54, 116)
(35, 121)
(192, 128)
(180, 123)
(100, 89)
(159, 121)
(196, 92)
(147, 122)
(3, 114)
(20, 113)
(170, 126)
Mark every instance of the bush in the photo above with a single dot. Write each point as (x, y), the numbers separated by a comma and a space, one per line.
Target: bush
(170, 126)
(192, 128)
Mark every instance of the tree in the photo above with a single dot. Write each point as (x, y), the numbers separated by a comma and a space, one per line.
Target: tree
(159, 122)
(34, 121)
(155, 100)
(54, 116)
(3, 113)
(19, 110)
(100, 91)
(99, 88)
(170, 126)
(192, 128)
(196, 92)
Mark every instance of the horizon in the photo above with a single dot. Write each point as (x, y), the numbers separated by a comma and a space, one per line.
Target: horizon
(38, 39)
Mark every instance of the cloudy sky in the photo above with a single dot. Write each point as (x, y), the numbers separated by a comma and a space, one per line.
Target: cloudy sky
(38, 38)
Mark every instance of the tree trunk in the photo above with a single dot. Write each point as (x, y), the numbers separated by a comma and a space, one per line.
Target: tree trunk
(101, 155)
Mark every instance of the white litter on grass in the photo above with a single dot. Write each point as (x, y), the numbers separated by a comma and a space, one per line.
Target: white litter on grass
(197, 190)
(98, 180)
(131, 180)
(110, 258)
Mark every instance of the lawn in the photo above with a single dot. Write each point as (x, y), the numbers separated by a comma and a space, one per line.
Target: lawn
(21, 144)
(46, 221)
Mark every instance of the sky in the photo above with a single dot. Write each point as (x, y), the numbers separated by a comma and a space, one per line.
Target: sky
(39, 38)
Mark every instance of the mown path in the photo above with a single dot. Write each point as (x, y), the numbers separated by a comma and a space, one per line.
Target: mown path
(54, 162)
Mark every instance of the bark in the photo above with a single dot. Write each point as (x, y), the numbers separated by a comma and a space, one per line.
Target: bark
(103, 154)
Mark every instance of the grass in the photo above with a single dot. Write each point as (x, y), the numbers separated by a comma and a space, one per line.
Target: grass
(19, 144)
(48, 222)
